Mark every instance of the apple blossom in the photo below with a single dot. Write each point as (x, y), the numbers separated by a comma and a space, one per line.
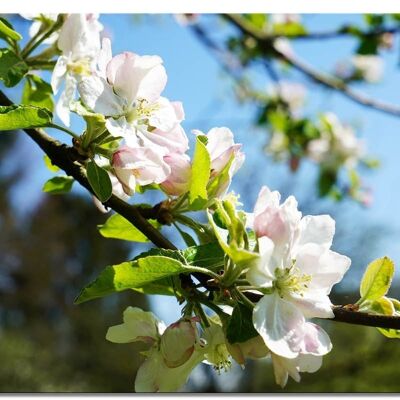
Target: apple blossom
(293, 94)
(156, 374)
(139, 166)
(337, 145)
(369, 66)
(224, 152)
(178, 181)
(128, 92)
(296, 271)
(79, 42)
(253, 348)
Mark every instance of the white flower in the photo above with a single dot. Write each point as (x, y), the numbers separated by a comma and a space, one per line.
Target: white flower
(337, 145)
(127, 90)
(178, 181)
(369, 66)
(293, 94)
(172, 355)
(297, 270)
(79, 42)
(41, 22)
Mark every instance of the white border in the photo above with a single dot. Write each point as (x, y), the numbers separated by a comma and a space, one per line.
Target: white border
(200, 6)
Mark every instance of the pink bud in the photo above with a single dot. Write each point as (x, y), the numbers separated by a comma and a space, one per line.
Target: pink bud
(177, 342)
(178, 181)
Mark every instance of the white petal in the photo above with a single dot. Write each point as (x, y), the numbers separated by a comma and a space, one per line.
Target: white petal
(316, 340)
(261, 273)
(313, 304)
(138, 325)
(59, 71)
(324, 266)
(120, 128)
(219, 140)
(283, 367)
(98, 95)
(63, 104)
(104, 57)
(280, 324)
(265, 199)
(155, 376)
(309, 363)
(318, 229)
(154, 82)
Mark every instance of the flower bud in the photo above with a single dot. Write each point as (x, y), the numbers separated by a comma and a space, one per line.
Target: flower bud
(138, 166)
(177, 342)
(253, 348)
(178, 181)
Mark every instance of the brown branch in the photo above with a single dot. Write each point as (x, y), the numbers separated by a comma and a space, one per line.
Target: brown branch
(331, 82)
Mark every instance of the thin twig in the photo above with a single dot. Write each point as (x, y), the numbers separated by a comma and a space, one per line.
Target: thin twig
(331, 82)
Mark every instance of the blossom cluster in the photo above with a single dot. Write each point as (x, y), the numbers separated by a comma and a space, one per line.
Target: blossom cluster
(136, 134)
(126, 89)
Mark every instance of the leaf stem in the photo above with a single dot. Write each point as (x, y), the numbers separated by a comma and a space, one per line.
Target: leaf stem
(66, 130)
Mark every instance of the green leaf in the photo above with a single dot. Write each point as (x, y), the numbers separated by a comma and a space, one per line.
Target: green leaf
(240, 326)
(189, 241)
(163, 287)
(99, 181)
(12, 67)
(131, 275)
(50, 166)
(386, 306)
(208, 255)
(7, 31)
(58, 185)
(38, 93)
(23, 117)
(377, 279)
(118, 227)
(201, 168)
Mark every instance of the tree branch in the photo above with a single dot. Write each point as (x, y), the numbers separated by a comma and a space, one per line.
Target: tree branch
(328, 81)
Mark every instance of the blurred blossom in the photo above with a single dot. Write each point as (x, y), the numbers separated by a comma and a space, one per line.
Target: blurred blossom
(369, 66)
(292, 93)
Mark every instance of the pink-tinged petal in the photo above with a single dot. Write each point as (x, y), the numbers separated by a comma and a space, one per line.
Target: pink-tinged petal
(175, 140)
(179, 111)
(154, 82)
(266, 199)
(219, 140)
(133, 76)
(280, 324)
(59, 71)
(138, 325)
(316, 340)
(178, 181)
(324, 266)
(98, 95)
(312, 303)
(261, 273)
(318, 229)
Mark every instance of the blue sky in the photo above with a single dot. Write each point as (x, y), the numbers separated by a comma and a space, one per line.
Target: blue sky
(195, 78)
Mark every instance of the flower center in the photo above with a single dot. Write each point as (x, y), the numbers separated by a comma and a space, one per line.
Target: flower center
(142, 110)
(79, 67)
(291, 280)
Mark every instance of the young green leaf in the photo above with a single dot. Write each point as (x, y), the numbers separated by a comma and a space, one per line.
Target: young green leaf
(99, 181)
(240, 327)
(58, 185)
(50, 166)
(201, 169)
(38, 93)
(23, 117)
(12, 67)
(131, 275)
(118, 227)
(7, 31)
(377, 279)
